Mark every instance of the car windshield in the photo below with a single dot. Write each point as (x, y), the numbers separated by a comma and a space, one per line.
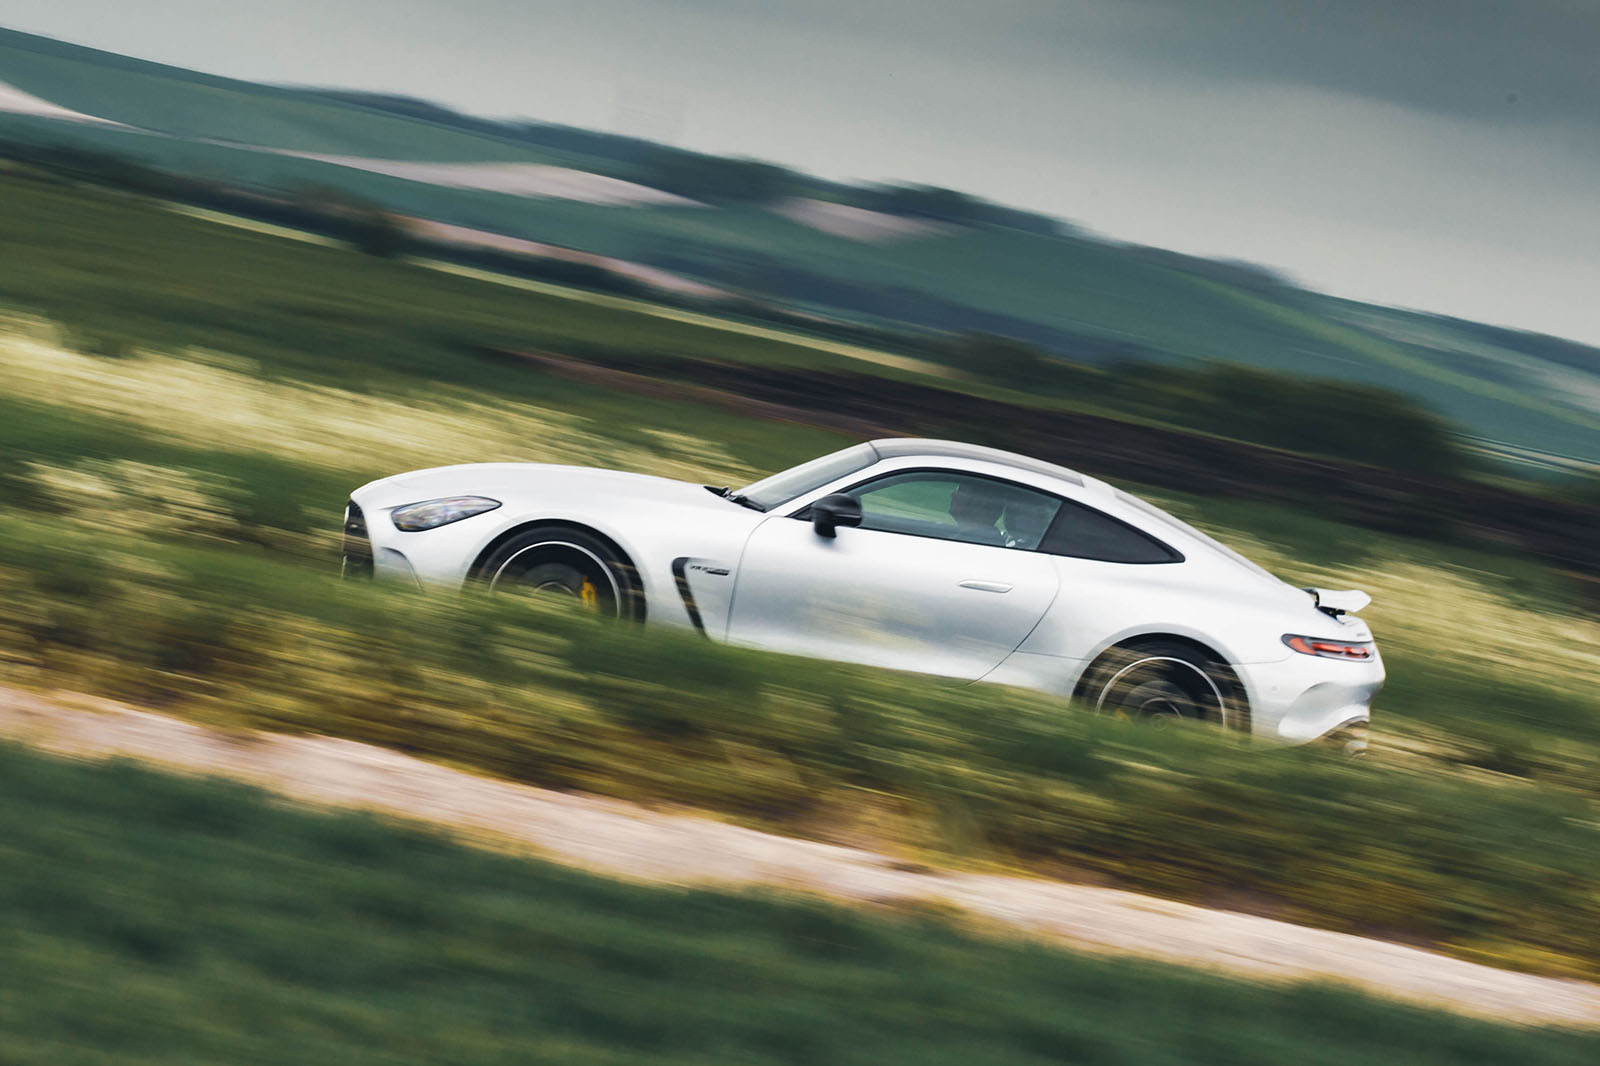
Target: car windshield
(799, 480)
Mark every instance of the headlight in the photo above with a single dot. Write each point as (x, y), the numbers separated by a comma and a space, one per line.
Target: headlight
(1356, 651)
(430, 514)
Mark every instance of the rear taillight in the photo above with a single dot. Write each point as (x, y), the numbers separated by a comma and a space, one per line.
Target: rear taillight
(1330, 649)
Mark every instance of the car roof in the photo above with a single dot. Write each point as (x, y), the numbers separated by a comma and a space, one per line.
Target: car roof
(902, 447)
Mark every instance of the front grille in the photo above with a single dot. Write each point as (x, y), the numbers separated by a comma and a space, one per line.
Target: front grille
(357, 546)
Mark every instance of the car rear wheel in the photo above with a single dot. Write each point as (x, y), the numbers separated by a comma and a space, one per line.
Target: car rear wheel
(1164, 682)
(565, 562)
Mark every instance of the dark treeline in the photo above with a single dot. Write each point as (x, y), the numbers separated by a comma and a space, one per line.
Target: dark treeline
(1343, 420)
(1542, 345)
(716, 179)
(946, 205)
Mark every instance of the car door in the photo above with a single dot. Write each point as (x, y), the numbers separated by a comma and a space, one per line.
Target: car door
(940, 578)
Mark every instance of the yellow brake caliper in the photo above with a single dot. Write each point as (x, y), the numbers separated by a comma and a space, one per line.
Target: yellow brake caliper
(589, 594)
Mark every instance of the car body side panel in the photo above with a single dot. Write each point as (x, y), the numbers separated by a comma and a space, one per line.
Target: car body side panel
(1101, 604)
(887, 599)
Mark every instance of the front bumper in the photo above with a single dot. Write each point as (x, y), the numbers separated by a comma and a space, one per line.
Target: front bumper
(357, 560)
(363, 559)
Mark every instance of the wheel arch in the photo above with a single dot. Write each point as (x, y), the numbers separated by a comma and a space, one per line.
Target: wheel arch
(1140, 641)
(629, 569)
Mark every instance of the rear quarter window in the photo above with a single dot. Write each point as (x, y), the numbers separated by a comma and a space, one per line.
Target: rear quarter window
(1081, 532)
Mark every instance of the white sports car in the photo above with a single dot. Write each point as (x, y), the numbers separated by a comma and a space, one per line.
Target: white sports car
(922, 555)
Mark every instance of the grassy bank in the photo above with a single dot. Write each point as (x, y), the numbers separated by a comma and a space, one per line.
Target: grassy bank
(156, 919)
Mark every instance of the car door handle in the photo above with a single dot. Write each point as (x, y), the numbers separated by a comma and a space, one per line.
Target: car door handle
(986, 586)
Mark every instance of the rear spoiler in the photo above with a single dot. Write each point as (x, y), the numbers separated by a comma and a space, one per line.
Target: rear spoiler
(1334, 602)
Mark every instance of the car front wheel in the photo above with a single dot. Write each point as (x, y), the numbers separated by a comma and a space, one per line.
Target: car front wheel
(565, 562)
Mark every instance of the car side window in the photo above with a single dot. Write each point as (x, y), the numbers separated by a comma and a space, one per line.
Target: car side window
(1084, 533)
(957, 506)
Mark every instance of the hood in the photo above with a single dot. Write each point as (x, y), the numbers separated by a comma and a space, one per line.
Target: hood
(512, 481)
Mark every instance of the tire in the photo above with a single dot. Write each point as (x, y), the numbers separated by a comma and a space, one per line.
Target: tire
(565, 561)
(1165, 681)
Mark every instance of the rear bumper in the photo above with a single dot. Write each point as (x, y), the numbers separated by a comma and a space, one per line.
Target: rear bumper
(1302, 698)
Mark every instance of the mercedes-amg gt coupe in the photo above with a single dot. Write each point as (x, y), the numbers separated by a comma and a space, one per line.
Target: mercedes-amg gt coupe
(922, 555)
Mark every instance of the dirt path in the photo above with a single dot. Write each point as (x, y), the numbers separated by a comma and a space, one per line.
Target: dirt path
(617, 838)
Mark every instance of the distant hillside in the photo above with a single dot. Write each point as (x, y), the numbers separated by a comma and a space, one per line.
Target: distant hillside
(911, 258)
(691, 173)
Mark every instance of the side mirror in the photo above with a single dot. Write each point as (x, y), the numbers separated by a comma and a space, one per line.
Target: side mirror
(830, 512)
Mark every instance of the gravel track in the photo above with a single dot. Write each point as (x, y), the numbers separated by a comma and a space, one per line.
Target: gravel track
(625, 840)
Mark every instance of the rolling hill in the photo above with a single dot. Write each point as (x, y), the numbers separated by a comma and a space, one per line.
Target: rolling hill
(1526, 397)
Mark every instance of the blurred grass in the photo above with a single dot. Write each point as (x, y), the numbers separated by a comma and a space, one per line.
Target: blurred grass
(110, 267)
(154, 919)
(183, 409)
(1502, 870)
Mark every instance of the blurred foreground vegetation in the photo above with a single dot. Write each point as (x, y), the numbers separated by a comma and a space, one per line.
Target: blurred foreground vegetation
(153, 919)
(183, 409)
(1485, 867)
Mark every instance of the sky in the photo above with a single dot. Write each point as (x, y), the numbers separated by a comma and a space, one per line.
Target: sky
(1436, 154)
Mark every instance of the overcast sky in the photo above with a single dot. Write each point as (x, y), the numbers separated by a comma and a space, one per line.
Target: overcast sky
(1439, 154)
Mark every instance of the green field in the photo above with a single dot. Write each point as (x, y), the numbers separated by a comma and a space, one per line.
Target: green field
(184, 407)
(150, 919)
(1508, 389)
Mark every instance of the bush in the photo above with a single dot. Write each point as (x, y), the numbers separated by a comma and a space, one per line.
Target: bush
(715, 179)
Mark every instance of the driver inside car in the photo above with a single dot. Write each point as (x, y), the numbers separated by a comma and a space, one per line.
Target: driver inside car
(976, 508)
(1025, 523)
